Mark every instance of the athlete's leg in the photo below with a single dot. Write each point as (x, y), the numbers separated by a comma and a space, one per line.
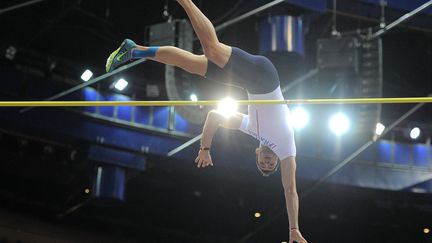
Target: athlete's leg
(196, 64)
(254, 73)
(129, 51)
(215, 51)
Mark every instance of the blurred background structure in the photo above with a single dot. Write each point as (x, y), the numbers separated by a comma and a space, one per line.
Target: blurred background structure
(104, 174)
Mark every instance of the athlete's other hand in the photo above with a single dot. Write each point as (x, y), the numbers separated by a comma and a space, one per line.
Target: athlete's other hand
(203, 159)
(296, 236)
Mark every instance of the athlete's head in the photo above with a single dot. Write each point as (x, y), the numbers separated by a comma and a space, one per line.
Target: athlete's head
(266, 160)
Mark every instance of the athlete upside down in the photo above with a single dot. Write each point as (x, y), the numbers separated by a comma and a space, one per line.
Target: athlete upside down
(269, 124)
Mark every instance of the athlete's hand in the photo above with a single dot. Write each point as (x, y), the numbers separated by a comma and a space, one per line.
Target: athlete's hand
(296, 236)
(203, 159)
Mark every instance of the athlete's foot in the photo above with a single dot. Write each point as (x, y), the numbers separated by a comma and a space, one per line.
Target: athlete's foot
(120, 56)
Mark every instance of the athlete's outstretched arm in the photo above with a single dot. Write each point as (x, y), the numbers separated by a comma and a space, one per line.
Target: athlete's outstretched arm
(212, 123)
(288, 171)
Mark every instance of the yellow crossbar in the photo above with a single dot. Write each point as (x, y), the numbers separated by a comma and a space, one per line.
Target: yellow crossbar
(215, 102)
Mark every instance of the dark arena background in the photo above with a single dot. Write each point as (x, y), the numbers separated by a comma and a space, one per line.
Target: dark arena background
(122, 174)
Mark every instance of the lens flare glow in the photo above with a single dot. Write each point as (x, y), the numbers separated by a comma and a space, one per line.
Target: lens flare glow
(339, 124)
(300, 118)
(227, 107)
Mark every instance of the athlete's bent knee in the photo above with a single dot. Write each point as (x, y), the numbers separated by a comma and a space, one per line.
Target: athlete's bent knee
(211, 52)
(218, 53)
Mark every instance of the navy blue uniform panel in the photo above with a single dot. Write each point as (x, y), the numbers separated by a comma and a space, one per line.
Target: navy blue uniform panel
(256, 74)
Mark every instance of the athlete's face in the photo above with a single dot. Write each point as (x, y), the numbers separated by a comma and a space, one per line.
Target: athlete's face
(267, 160)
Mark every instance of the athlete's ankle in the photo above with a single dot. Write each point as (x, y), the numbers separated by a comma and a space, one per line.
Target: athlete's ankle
(144, 52)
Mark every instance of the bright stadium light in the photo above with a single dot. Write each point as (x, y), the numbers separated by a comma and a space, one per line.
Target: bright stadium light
(227, 107)
(11, 52)
(121, 84)
(193, 97)
(415, 133)
(86, 76)
(339, 124)
(379, 129)
(300, 118)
